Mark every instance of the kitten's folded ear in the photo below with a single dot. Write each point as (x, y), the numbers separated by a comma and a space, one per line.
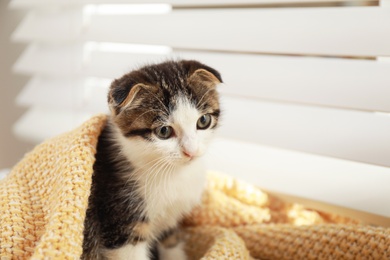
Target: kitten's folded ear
(122, 94)
(203, 73)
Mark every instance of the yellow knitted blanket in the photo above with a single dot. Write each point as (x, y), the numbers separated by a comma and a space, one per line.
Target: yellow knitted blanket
(44, 199)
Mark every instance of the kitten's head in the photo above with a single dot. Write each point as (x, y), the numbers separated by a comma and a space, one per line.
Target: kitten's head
(168, 110)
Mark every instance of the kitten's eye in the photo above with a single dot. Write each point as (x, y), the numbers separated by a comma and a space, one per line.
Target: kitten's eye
(163, 132)
(204, 122)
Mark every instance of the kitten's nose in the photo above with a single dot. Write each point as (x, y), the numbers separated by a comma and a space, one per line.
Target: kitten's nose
(188, 154)
(189, 146)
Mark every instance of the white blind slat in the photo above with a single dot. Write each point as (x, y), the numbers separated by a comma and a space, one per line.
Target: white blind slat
(40, 123)
(353, 84)
(55, 60)
(184, 3)
(384, 3)
(357, 136)
(314, 31)
(63, 25)
(318, 31)
(73, 94)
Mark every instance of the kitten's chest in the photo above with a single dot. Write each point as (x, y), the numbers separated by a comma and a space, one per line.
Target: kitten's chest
(174, 196)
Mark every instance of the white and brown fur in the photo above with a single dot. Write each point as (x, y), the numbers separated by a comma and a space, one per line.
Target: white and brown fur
(144, 185)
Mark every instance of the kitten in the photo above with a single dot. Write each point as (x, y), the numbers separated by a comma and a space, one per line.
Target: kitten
(148, 172)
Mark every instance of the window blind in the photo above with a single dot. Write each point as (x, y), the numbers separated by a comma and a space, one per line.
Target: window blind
(307, 80)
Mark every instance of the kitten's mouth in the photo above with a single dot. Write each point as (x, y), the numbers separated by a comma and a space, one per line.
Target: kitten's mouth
(189, 159)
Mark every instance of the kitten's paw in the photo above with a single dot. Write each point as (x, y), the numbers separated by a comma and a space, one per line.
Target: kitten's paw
(173, 253)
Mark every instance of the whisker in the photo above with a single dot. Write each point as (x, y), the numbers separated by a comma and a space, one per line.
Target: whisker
(134, 173)
(169, 177)
(157, 175)
(153, 174)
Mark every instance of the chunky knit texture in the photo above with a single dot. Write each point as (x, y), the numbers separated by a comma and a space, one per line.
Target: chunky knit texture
(239, 221)
(44, 199)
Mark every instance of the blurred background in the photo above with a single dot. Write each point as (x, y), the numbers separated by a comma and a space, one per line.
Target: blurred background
(11, 148)
(306, 94)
